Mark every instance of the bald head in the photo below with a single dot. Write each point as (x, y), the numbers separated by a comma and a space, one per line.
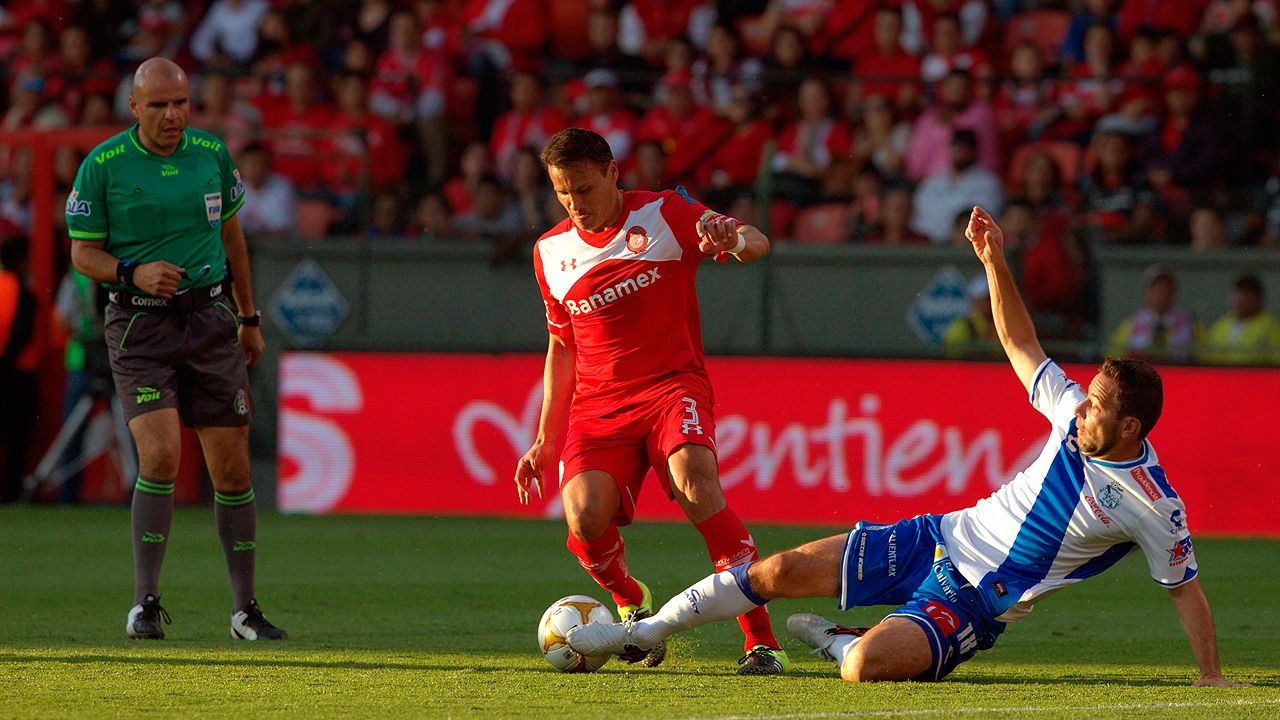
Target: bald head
(157, 72)
(159, 102)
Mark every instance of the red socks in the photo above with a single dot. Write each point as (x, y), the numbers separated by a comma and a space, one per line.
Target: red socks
(603, 560)
(730, 544)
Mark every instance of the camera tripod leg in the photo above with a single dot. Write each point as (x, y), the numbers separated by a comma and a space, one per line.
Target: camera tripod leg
(48, 469)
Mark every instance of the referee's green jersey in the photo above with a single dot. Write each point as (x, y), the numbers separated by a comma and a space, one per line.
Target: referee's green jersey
(149, 207)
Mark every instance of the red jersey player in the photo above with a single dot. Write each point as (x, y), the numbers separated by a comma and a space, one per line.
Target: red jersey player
(625, 362)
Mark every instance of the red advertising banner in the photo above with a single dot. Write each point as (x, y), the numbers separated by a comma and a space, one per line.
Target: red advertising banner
(800, 440)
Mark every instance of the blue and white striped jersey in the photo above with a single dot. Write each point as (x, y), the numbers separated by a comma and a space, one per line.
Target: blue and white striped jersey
(1068, 517)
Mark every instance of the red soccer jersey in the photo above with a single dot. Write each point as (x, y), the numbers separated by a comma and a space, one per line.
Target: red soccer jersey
(626, 299)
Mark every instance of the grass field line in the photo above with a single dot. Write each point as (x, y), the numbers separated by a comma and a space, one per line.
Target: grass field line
(986, 710)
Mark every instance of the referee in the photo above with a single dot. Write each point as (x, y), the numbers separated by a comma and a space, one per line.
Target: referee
(153, 217)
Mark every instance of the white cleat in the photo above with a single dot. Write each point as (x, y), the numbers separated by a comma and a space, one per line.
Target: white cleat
(600, 639)
(818, 632)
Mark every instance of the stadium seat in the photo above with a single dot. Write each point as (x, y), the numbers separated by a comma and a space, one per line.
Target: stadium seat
(314, 218)
(1067, 155)
(1045, 29)
(821, 225)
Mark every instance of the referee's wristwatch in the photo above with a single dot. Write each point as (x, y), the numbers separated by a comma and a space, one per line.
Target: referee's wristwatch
(253, 320)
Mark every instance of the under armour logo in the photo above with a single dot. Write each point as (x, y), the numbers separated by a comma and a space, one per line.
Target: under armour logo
(690, 422)
(567, 265)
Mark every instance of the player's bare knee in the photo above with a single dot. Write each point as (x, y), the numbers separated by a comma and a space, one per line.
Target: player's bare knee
(586, 522)
(769, 577)
(159, 463)
(699, 495)
(861, 665)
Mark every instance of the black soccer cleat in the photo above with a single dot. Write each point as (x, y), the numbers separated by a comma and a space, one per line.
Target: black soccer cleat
(763, 660)
(250, 624)
(145, 620)
(652, 657)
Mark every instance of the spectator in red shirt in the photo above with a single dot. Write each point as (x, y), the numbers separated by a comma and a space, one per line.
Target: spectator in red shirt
(1142, 73)
(1181, 17)
(804, 16)
(811, 147)
(885, 68)
(34, 54)
(474, 164)
(1092, 88)
(394, 89)
(530, 121)
(735, 164)
(411, 87)
(511, 34)
(948, 52)
(928, 150)
(360, 142)
(296, 127)
(604, 116)
(1026, 102)
(848, 31)
(275, 51)
(53, 13)
(918, 18)
(75, 74)
(647, 25)
(221, 114)
(688, 133)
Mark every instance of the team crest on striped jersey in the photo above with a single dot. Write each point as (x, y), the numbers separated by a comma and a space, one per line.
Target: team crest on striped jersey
(637, 240)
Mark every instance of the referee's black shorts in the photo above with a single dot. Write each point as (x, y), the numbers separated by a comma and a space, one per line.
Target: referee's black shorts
(189, 359)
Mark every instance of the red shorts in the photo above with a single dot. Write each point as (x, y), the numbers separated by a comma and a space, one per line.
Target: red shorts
(626, 443)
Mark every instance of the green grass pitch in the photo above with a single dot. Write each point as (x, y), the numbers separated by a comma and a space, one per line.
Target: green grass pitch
(434, 617)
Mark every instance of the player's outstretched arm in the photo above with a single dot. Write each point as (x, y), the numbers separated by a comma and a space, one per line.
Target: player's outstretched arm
(721, 233)
(557, 391)
(1197, 622)
(1013, 324)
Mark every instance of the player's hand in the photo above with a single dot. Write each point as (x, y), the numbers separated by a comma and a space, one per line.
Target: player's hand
(1217, 681)
(717, 234)
(158, 279)
(986, 237)
(531, 470)
(253, 344)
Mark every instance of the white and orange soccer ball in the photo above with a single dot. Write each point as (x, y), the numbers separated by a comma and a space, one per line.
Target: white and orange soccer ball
(564, 615)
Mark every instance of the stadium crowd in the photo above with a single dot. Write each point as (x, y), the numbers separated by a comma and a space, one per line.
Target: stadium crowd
(1079, 122)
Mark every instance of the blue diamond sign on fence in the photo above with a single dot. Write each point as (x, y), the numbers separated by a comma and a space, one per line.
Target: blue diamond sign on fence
(308, 306)
(942, 301)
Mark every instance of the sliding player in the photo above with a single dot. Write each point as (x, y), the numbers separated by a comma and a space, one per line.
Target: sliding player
(1095, 494)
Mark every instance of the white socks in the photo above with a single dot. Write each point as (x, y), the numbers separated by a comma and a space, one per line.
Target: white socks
(840, 647)
(715, 597)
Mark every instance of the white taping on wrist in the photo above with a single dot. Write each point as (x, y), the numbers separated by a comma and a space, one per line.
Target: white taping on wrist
(742, 245)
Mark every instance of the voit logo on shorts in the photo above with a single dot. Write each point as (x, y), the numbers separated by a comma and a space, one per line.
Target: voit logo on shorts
(147, 394)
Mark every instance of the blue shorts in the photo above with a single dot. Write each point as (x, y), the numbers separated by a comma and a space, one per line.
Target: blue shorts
(906, 564)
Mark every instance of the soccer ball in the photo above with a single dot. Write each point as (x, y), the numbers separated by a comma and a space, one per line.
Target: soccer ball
(564, 615)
